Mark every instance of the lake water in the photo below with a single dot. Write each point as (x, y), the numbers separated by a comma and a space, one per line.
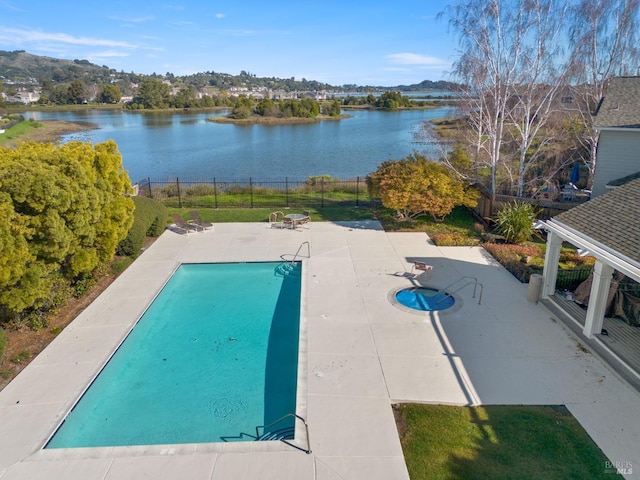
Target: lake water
(185, 145)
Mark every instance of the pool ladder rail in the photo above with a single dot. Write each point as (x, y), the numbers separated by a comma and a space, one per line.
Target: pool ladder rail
(284, 433)
(287, 266)
(470, 281)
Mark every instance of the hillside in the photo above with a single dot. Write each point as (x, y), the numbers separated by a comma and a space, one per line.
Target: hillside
(22, 68)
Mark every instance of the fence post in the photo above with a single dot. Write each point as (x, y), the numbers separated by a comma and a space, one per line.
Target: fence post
(322, 192)
(357, 191)
(179, 195)
(150, 191)
(251, 190)
(215, 193)
(286, 191)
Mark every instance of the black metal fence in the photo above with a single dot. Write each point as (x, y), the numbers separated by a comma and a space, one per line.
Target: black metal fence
(569, 279)
(316, 192)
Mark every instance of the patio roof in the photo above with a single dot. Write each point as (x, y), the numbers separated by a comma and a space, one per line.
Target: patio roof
(607, 227)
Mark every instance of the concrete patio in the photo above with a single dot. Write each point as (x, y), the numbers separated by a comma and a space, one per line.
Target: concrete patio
(359, 355)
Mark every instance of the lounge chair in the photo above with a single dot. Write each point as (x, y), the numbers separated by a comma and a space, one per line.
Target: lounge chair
(186, 227)
(420, 267)
(195, 217)
(421, 272)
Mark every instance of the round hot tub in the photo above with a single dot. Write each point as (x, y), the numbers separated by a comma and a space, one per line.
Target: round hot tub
(424, 299)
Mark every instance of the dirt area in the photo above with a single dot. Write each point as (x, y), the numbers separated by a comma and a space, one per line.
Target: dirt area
(50, 131)
(24, 344)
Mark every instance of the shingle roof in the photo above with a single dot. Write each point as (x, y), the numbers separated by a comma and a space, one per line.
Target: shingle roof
(621, 104)
(621, 181)
(611, 219)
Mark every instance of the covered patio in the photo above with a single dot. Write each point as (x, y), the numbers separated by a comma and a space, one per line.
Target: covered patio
(607, 229)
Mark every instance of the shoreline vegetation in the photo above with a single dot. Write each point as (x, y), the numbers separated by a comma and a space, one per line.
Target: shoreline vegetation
(44, 131)
(257, 119)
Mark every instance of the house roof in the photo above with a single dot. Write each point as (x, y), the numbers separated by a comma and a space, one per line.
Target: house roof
(609, 220)
(621, 181)
(620, 107)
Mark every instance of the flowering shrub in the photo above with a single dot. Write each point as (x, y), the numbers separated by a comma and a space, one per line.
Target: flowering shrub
(511, 257)
(452, 239)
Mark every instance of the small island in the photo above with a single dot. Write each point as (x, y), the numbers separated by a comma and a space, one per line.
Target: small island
(274, 112)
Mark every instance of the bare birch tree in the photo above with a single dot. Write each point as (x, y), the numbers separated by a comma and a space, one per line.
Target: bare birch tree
(539, 78)
(491, 38)
(604, 35)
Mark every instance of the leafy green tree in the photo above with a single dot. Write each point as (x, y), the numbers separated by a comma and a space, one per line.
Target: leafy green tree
(334, 109)
(64, 211)
(109, 94)
(76, 93)
(185, 98)
(417, 186)
(243, 107)
(268, 108)
(154, 94)
(392, 100)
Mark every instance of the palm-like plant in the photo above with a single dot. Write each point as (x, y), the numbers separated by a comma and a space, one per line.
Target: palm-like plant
(515, 222)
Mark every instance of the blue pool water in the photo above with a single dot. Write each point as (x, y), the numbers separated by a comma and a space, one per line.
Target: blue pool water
(424, 299)
(214, 356)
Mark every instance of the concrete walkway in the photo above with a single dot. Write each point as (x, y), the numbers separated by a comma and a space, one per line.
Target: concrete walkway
(359, 354)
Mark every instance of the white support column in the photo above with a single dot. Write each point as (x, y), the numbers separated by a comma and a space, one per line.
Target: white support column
(602, 274)
(551, 261)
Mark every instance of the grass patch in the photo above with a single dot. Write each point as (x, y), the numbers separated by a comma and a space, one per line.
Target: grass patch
(22, 356)
(497, 442)
(18, 130)
(328, 214)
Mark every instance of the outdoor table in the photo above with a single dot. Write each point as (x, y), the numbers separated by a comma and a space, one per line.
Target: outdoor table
(295, 218)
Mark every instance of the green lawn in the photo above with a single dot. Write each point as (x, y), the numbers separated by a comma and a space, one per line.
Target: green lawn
(497, 442)
(18, 130)
(327, 214)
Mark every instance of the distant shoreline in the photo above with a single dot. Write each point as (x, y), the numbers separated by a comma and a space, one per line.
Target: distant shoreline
(256, 119)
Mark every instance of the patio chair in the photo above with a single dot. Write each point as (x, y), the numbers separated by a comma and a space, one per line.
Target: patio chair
(288, 223)
(186, 227)
(306, 219)
(421, 271)
(195, 217)
(276, 220)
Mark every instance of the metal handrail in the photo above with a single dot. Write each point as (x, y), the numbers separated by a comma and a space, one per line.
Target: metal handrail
(300, 248)
(306, 427)
(473, 281)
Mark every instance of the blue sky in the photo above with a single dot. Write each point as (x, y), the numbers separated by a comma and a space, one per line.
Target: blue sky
(365, 43)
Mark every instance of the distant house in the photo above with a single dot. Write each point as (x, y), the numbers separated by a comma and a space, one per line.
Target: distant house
(618, 121)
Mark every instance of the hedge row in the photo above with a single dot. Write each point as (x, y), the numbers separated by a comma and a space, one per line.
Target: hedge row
(149, 220)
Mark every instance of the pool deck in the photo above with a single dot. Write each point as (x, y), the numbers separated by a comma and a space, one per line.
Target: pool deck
(359, 355)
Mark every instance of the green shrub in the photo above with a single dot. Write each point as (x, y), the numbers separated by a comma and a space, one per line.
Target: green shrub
(200, 190)
(3, 341)
(515, 222)
(149, 219)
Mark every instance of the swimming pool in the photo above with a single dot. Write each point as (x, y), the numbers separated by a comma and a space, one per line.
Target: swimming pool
(214, 356)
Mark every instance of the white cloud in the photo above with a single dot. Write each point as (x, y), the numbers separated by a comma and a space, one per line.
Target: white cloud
(415, 59)
(132, 19)
(219, 15)
(21, 36)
